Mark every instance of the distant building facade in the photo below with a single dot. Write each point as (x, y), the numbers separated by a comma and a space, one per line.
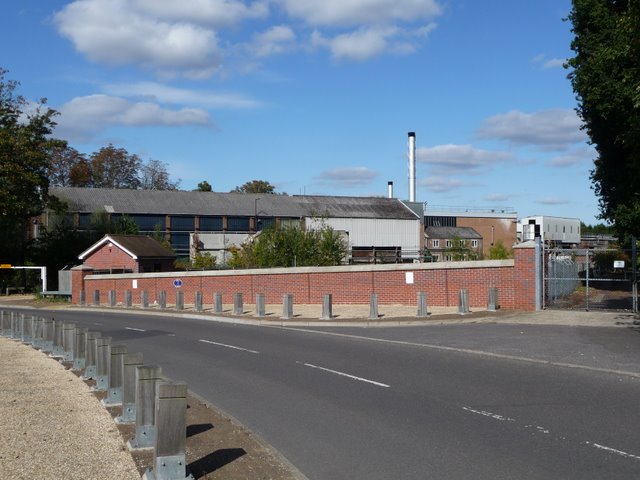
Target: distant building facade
(447, 244)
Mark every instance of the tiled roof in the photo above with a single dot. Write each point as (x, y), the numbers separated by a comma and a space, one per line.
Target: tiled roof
(452, 232)
(139, 246)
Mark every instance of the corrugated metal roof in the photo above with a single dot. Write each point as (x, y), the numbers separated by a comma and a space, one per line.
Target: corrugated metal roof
(452, 232)
(173, 202)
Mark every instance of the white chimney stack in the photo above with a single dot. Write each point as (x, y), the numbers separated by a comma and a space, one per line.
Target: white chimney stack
(390, 189)
(412, 166)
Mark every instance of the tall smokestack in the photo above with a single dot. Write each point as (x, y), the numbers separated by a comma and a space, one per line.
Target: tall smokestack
(390, 189)
(412, 166)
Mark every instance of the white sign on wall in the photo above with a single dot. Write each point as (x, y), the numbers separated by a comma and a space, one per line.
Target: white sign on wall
(618, 264)
(408, 278)
(134, 284)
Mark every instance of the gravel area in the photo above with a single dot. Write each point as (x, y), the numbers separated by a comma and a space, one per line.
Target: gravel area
(58, 430)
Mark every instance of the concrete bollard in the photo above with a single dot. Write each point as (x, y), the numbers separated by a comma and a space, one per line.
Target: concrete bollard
(130, 362)
(463, 303)
(373, 307)
(80, 350)
(116, 375)
(68, 341)
(83, 297)
(287, 306)
(103, 364)
(217, 302)
(169, 454)
(260, 305)
(58, 349)
(146, 378)
(162, 299)
(128, 299)
(327, 308)
(96, 298)
(38, 333)
(112, 298)
(422, 305)
(179, 300)
(238, 308)
(144, 299)
(492, 304)
(48, 326)
(91, 350)
(197, 303)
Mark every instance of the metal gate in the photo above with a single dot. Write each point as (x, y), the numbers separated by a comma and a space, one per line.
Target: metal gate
(589, 279)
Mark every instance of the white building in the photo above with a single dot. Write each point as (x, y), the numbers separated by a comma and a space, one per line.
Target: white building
(559, 231)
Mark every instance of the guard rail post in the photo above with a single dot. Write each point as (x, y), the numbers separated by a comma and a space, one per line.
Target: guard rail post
(38, 332)
(114, 392)
(130, 362)
(103, 364)
(27, 329)
(5, 324)
(68, 341)
(91, 355)
(146, 378)
(58, 349)
(80, 350)
(48, 327)
(169, 455)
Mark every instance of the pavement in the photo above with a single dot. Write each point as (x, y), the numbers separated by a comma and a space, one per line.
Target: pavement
(54, 404)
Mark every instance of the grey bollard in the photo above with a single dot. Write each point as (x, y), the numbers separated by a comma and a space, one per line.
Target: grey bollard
(169, 453)
(463, 304)
(103, 364)
(83, 298)
(112, 298)
(197, 303)
(116, 375)
(162, 299)
(48, 334)
(68, 341)
(128, 301)
(327, 309)
(179, 300)
(27, 329)
(146, 378)
(144, 299)
(91, 355)
(373, 307)
(260, 305)
(287, 306)
(58, 349)
(493, 304)
(238, 308)
(80, 350)
(130, 362)
(217, 302)
(96, 298)
(422, 305)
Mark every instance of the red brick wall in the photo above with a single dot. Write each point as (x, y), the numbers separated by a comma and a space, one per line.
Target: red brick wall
(110, 257)
(514, 279)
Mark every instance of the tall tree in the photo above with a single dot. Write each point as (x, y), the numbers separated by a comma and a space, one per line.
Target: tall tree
(67, 167)
(113, 167)
(25, 143)
(605, 75)
(204, 186)
(255, 186)
(154, 176)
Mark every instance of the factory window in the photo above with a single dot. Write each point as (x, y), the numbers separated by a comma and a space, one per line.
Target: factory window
(448, 243)
(238, 224)
(210, 224)
(474, 243)
(184, 224)
(435, 243)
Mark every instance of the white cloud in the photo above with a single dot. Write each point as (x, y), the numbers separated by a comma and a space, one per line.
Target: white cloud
(464, 159)
(360, 45)
(83, 117)
(583, 156)
(217, 13)
(277, 40)
(549, 129)
(358, 12)
(157, 92)
(348, 177)
(547, 63)
(440, 184)
(113, 32)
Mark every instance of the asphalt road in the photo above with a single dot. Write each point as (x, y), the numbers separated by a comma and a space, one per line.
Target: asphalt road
(440, 402)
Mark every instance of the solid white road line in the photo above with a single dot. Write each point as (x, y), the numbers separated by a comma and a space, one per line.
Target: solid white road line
(614, 451)
(342, 374)
(484, 413)
(228, 346)
(135, 329)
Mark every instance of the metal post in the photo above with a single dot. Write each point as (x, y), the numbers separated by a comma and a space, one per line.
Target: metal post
(112, 298)
(217, 302)
(15, 325)
(47, 345)
(38, 332)
(539, 259)
(5, 324)
(260, 305)
(162, 299)
(463, 302)
(128, 302)
(27, 329)
(116, 374)
(130, 362)
(237, 304)
(198, 302)
(287, 306)
(493, 299)
(96, 298)
(103, 364)
(91, 355)
(58, 349)
(179, 300)
(587, 280)
(144, 299)
(373, 307)
(422, 305)
(80, 349)
(68, 341)
(146, 379)
(327, 308)
(169, 454)
(83, 297)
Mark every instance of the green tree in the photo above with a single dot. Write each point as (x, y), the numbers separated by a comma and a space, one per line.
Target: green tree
(204, 186)
(113, 167)
(66, 167)
(255, 186)
(204, 261)
(460, 251)
(605, 75)
(25, 143)
(499, 252)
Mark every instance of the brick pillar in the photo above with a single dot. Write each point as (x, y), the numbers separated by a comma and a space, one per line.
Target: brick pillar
(77, 281)
(524, 276)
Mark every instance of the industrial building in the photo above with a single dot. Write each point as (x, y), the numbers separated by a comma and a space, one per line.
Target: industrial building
(554, 231)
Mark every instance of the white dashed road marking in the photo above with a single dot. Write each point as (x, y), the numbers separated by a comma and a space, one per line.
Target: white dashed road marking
(229, 346)
(342, 374)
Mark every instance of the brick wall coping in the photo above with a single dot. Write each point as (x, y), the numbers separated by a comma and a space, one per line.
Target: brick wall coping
(305, 270)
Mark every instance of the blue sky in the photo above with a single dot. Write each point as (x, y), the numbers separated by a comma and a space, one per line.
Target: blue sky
(317, 96)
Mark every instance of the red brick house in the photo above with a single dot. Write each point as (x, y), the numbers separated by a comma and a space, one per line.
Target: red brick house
(128, 254)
